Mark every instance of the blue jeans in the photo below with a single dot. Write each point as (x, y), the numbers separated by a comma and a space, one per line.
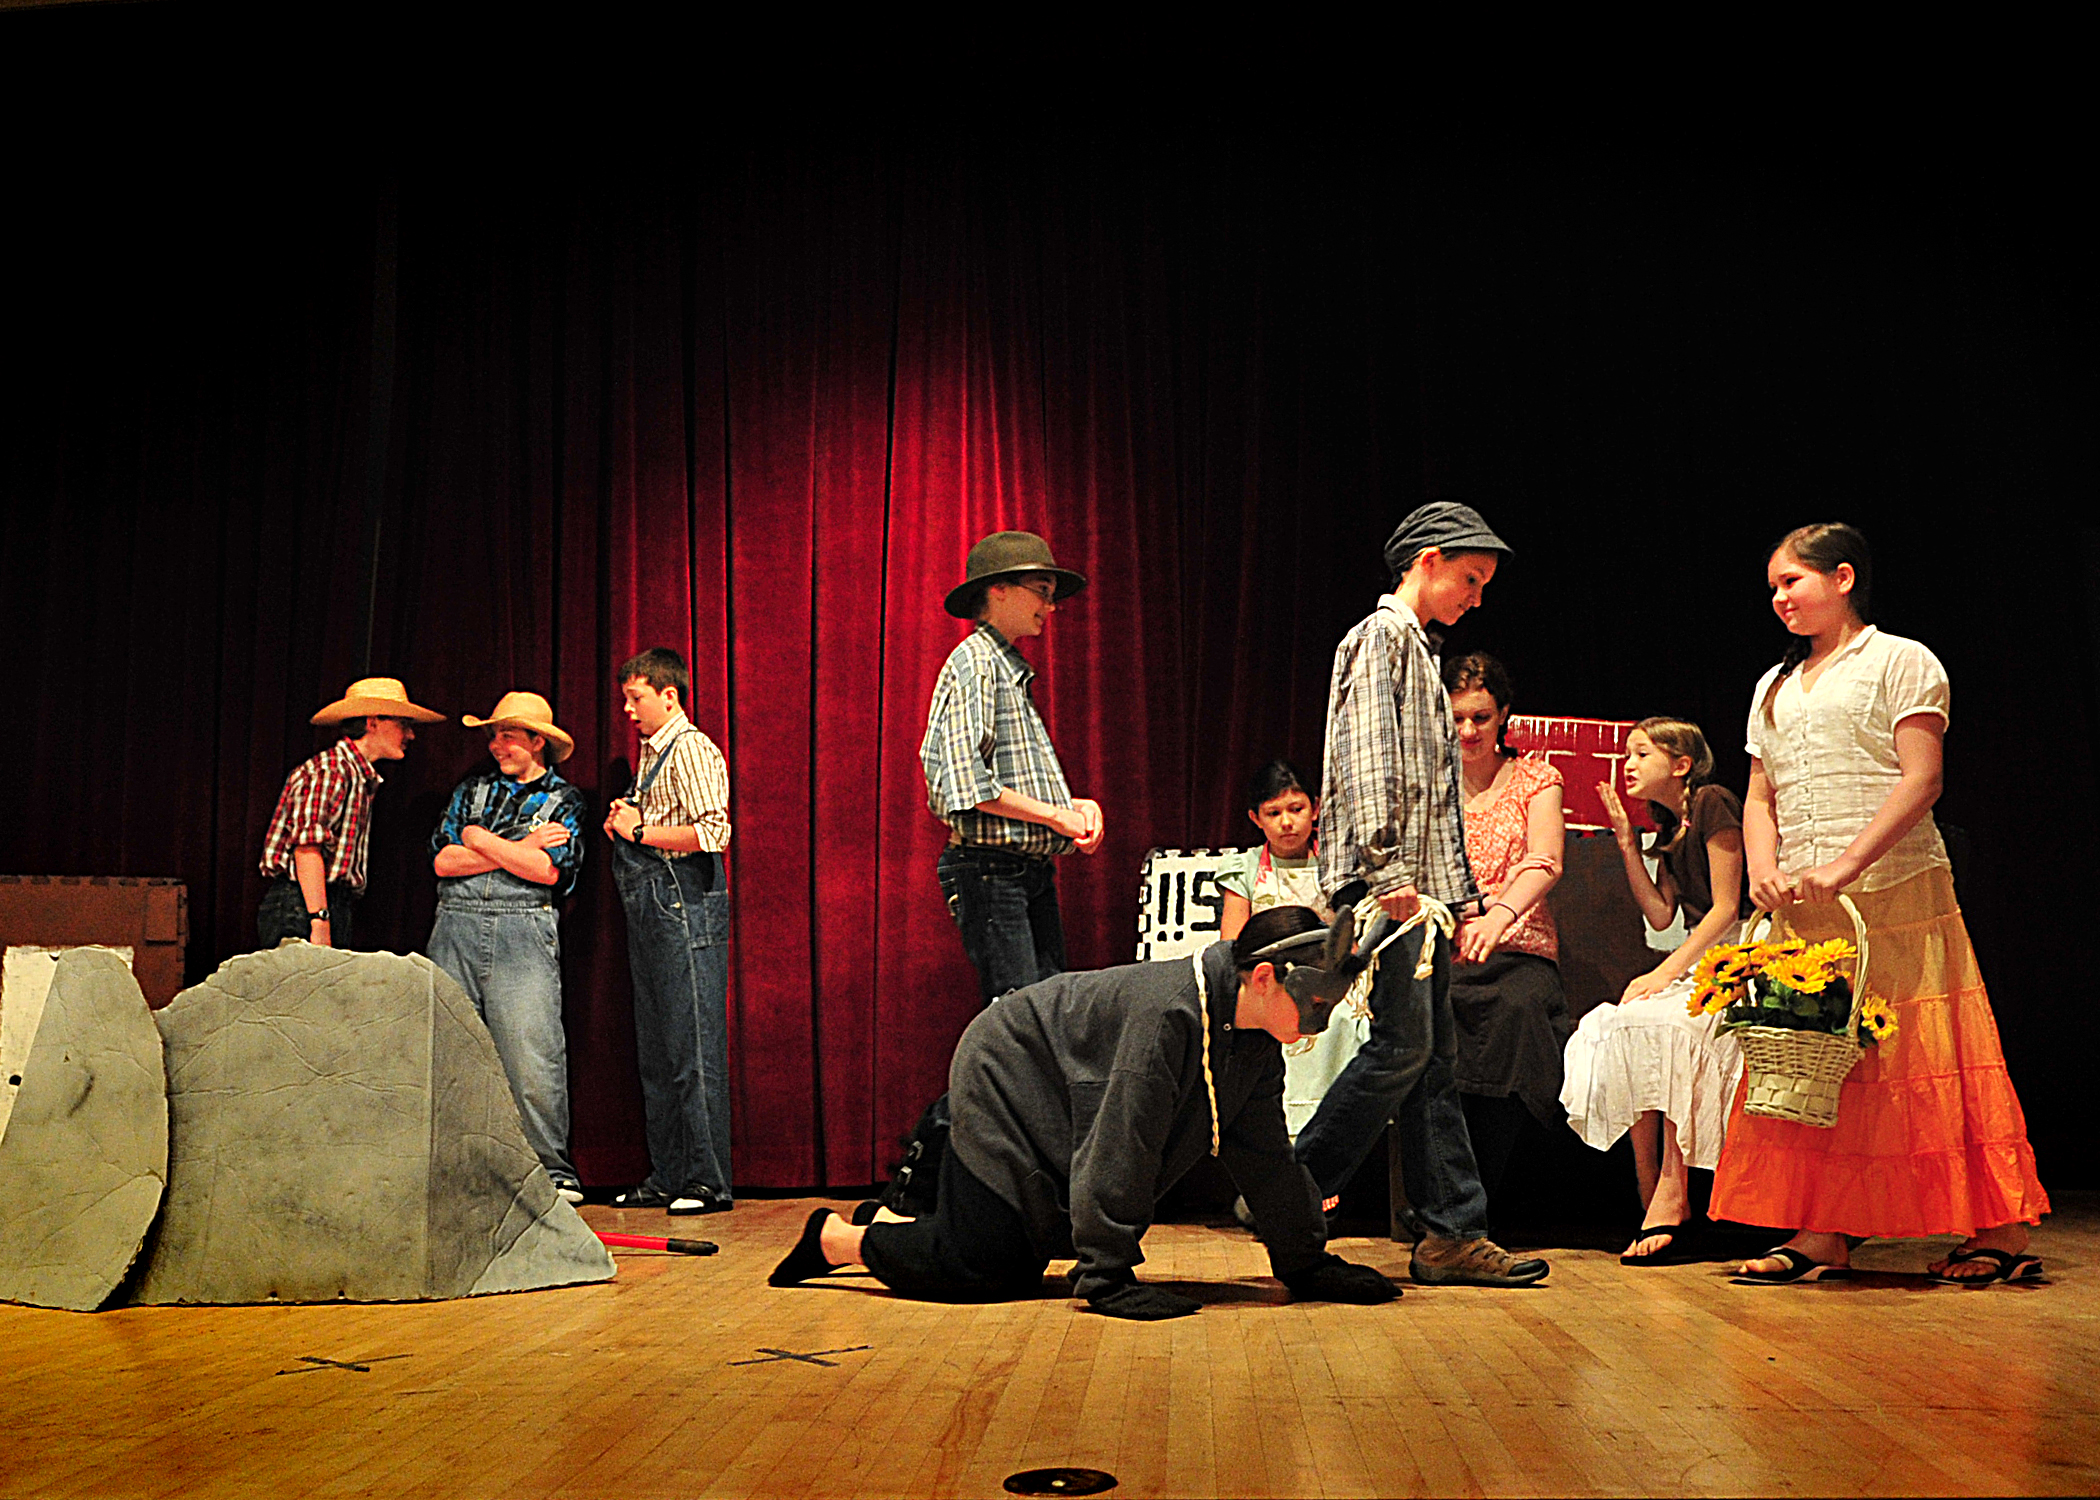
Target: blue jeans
(678, 956)
(1404, 1074)
(503, 947)
(1005, 906)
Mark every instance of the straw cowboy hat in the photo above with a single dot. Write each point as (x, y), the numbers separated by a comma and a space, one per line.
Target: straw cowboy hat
(380, 697)
(1004, 554)
(529, 712)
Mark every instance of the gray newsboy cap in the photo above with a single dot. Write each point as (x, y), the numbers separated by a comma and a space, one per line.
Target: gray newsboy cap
(1443, 524)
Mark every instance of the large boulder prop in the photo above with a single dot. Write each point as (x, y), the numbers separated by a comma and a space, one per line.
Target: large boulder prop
(83, 1126)
(342, 1130)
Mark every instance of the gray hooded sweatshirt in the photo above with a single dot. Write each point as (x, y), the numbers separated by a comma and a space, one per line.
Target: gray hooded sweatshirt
(1080, 1101)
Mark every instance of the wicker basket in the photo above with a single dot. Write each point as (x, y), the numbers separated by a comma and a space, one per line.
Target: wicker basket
(1796, 1075)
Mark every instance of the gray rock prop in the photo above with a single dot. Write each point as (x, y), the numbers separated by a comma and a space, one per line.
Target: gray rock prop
(85, 1154)
(342, 1131)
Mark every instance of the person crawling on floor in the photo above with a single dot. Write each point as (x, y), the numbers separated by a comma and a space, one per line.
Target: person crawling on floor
(1076, 1102)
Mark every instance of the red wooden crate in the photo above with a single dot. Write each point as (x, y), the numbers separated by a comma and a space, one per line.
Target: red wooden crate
(1585, 752)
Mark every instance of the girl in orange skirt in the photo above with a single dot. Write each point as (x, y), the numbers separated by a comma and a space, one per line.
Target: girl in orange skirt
(1845, 737)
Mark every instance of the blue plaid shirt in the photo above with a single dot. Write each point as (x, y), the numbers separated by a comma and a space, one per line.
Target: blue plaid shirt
(983, 734)
(510, 809)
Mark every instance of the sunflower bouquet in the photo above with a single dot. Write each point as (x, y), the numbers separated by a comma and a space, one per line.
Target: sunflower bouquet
(1788, 983)
(1802, 1020)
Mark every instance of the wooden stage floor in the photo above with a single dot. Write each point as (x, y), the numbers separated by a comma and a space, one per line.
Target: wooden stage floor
(672, 1381)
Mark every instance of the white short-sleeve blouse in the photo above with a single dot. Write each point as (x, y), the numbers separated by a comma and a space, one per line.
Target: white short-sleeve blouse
(1830, 753)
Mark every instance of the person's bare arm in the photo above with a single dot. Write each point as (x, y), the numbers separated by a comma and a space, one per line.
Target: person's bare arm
(1233, 912)
(455, 860)
(310, 870)
(1768, 888)
(1545, 831)
(622, 818)
(1657, 907)
(1724, 859)
(525, 856)
(1919, 745)
(1081, 822)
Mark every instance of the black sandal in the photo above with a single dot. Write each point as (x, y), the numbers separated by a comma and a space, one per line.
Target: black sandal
(1798, 1268)
(2006, 1266)
(1671, 1254)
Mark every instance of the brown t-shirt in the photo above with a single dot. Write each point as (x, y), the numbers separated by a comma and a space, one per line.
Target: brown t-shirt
(1714, 809)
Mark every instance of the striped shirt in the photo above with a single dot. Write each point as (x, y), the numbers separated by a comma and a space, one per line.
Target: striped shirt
(1390, 811)
(510, 810)
(694, 788)
(984, 735)
(327, 801)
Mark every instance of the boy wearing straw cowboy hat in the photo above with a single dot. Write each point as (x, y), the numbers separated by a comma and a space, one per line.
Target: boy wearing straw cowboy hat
(510, 845)
(320, 834)
(992, 774)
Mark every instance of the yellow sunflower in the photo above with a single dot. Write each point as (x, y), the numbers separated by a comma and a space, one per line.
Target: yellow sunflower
(1877, 1019)
(1718, 980)
(1831, 954)
(1800, 973)
(1726, 965)
(1710, 998)
(1757, 955)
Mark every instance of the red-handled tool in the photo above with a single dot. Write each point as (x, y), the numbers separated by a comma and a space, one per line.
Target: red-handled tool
(658, 1242)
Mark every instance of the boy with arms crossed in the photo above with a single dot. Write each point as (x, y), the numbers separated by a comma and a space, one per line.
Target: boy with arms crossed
(509, 847)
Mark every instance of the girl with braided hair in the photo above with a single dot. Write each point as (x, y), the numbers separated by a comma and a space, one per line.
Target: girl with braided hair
(1647, 1066)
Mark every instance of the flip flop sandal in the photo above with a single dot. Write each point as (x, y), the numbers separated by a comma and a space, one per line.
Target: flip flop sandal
(1671, 1254)
(1798, 1268)
(2005, 1266)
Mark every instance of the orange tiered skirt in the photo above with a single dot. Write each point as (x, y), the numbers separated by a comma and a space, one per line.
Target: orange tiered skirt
(1930, 1137)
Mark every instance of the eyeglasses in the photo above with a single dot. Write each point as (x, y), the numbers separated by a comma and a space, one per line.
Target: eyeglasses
(1047, 592)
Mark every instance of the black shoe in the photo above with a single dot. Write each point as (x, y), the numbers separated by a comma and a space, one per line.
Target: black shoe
(806, 1261)
(642, 1195)
(864, 1212)
(699, 1200)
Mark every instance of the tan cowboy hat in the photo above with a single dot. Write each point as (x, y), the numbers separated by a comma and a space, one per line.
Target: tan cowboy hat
(381, 697)
(530, 712)
(1001, 555)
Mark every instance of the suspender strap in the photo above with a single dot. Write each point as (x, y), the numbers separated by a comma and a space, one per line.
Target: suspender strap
(642, 788)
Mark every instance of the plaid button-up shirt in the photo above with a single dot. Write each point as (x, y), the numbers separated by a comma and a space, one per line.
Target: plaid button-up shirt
(510, 810)
(327, 801)
(983, 734)
(1390, 813)
(694, 788)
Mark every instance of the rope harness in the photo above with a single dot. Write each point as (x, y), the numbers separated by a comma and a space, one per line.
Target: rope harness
(1357, 1002)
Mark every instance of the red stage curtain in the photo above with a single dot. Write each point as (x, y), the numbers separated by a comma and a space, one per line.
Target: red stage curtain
(756, 403)
(760, 419)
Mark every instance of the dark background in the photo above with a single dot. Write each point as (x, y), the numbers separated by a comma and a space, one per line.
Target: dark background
(494, 405)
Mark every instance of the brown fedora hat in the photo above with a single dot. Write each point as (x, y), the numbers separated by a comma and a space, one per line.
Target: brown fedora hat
(376, 697)
(1001, 555)
(531, 713)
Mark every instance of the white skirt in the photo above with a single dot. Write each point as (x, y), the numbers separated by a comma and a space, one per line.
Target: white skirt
(1652, 1054)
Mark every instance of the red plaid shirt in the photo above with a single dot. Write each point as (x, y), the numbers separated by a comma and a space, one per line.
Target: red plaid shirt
(325, 801)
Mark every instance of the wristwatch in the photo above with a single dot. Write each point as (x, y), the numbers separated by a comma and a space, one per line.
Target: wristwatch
(634, 834)
(318, 916)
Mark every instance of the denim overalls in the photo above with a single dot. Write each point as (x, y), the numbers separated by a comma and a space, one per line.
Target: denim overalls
(498, 937)
(678, 952)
